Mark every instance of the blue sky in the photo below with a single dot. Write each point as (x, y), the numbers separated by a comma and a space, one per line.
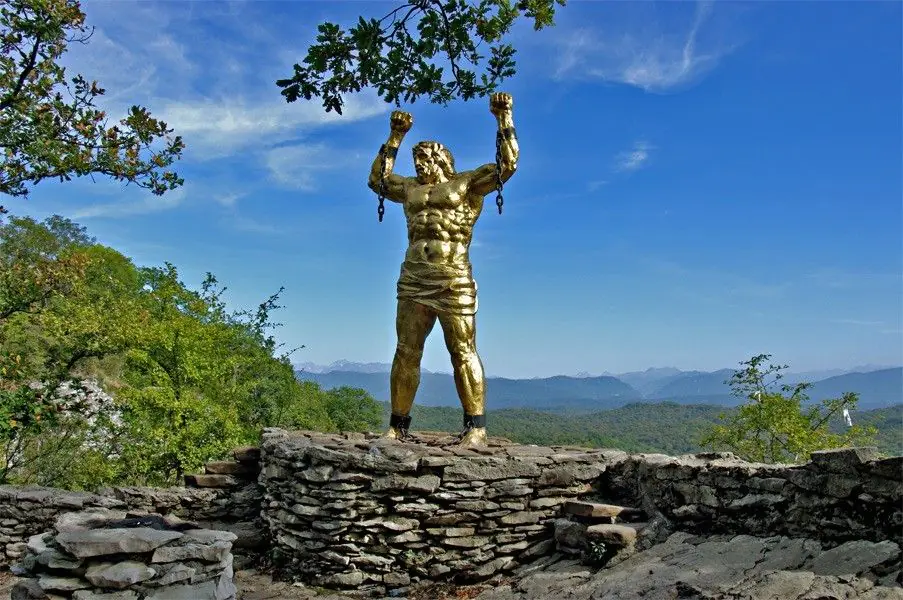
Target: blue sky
(698, 182)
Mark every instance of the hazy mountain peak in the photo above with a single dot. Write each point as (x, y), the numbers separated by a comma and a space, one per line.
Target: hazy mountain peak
(343, 365)
(877, 389)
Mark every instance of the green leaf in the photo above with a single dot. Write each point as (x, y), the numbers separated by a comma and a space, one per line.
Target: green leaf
(417, 50)
(775, 425)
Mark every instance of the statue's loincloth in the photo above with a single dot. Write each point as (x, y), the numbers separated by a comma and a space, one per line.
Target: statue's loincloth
(444, 288)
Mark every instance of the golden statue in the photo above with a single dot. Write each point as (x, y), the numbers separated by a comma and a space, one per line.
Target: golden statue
(436, 281)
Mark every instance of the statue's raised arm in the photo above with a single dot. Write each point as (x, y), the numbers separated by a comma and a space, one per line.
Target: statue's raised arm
(382, 180)
(490, 177)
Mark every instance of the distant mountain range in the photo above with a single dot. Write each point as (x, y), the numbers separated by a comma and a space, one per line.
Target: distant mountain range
(877, 388)
(345, 366)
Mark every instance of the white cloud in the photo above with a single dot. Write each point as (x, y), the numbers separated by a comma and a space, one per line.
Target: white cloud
(218, 128)
(126, 76)
(171, 52)
(215, 90)
(647, 57)
(859, 322)
(297, 166)
(208, 70)
(881, 327)
(148, 203)
(574, 49)
(713, 286)
(635, 158)
(249, 225)
(229, 199)
(747, 288)
(836, 278)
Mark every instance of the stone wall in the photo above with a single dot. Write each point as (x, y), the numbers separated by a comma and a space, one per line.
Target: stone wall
(841, 495)
(25, 512)
(223, 501)
(358, 512)
(102, 554)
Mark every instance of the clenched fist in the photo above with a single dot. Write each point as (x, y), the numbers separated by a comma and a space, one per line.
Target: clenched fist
(500, 103)
(401, 121)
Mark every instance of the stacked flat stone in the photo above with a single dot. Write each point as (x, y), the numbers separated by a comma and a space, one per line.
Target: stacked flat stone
(839, 496)
(357, 511)
(233, 504)
(598, 531)
(28, 511)
(110, 555)
(229, 474)
(238, 500)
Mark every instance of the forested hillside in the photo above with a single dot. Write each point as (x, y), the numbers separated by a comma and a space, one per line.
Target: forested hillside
(552, 393)
(876, 389)
(889, 423)
(880, 389)
(186, 378)
(667, 427)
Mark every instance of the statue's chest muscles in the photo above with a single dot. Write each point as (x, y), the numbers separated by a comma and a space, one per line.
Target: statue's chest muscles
(445, 207)
(442, 196)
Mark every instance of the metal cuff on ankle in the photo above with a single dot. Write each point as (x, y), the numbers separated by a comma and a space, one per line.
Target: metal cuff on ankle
(400, 422)
(474, 421)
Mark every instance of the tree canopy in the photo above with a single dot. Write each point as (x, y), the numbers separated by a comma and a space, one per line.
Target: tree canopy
(658, 427)
(778, 424)
(428, 48)
(183, 379)
(50, 126)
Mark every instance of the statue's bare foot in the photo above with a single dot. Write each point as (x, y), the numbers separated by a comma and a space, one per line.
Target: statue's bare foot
(474, 437)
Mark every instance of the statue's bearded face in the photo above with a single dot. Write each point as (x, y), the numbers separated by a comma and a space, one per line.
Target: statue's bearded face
(426, 165)
(433, 162)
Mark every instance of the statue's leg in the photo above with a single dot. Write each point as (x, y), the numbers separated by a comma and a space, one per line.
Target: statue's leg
(460, 339)
(413, 324)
